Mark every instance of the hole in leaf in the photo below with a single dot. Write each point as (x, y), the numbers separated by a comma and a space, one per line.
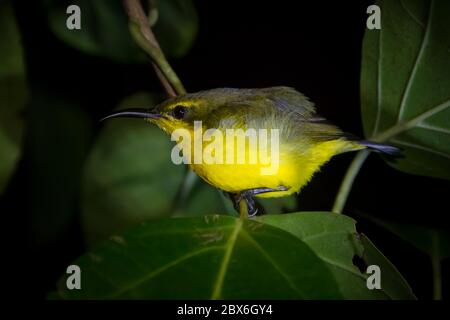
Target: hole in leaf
(359, 263)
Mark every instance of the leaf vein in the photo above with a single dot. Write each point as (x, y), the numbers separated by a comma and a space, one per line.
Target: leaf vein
(416, 146)
(161, 270)
(433, 128)
(275, 265)
(413, 17)
(416, 63)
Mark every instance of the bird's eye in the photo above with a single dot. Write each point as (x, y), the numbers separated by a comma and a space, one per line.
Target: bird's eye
(179, 112)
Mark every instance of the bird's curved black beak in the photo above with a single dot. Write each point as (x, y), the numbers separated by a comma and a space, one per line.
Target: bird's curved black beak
(133, 113)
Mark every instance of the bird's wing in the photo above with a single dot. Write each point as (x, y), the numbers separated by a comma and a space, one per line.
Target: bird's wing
(302, 114)
(283, 105)
(321, 130)
(289, 101)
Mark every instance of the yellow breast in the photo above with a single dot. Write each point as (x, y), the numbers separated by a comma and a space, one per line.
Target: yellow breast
(293, 169)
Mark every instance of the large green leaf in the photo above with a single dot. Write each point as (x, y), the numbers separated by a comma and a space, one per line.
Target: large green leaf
(405, 84)
(301, 255)
(13, 93)
(201, 258)
(334, 239)
(104, 28)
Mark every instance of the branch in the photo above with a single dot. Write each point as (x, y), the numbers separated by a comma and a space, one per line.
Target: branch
(143, 35)
(164, 82)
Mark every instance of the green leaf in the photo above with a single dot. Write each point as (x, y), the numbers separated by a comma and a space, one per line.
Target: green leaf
(428, 240)
(334, 239)
(13, 93)
(217, 257)
(392, 282)
(129, 176)
(405, 83)
(104, 28)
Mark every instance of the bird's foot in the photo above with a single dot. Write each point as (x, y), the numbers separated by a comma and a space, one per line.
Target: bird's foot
(250, 205)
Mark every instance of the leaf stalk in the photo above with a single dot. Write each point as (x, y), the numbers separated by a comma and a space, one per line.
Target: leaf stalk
(347, 182)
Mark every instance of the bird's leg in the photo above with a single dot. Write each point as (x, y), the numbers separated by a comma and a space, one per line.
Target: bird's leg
(249, 207)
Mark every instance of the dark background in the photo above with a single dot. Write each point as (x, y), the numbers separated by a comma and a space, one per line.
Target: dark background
(314, 46)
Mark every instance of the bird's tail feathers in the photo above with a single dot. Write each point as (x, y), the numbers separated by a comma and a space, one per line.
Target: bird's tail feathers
(381, 147)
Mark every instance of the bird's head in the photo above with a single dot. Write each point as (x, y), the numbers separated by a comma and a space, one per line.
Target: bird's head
(179, 112)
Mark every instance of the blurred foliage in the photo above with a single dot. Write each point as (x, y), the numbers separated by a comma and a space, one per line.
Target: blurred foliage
(201, 200)
(105, 30)
(405, 81)
(13, 93)
(58, 139)
(300, 255)
(430, 241)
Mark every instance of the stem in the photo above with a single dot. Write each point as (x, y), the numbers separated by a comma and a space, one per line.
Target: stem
(393, 131)
(143, 35)
(166, 85)
(436, 266)
(349, 178)
(243, 209)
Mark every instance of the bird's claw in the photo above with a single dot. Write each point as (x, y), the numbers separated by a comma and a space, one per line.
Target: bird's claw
(247, 196)
(252, 210)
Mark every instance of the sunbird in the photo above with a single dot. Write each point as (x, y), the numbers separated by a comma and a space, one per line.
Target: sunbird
(306, 140)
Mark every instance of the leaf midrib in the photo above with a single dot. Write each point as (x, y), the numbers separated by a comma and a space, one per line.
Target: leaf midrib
(413, 72)
(401, 127)
(217, 291)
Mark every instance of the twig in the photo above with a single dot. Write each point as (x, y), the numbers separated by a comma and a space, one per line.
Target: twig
(143, 35)
(164, 82)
